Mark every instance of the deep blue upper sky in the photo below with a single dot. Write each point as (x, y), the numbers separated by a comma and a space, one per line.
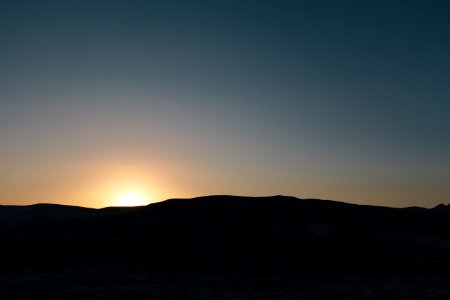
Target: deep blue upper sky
(344, 100)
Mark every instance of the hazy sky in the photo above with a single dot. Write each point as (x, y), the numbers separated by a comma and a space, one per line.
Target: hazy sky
(345, 100)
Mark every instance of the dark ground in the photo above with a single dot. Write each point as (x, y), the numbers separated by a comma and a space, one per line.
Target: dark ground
(45, 280)
(227, 248)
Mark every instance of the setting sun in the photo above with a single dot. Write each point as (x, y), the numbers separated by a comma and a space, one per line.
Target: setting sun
(131, 199)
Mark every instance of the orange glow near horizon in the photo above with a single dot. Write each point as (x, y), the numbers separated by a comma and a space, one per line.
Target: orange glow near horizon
(136, 193)
(131, 199)
(125, 185)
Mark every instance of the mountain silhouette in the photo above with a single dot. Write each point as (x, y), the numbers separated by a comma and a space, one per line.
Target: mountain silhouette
(15, 215)
(221, 222)
(274, 236)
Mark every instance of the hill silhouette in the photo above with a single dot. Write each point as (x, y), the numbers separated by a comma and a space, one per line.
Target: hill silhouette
(224, 222)
(16, 215)
(275, 236)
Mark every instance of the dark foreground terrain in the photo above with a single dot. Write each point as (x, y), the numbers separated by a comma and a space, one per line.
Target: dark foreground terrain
(225, 247)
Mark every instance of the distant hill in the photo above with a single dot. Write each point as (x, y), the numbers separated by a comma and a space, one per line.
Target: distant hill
(15, 215)
(267, 216)
(225, 222)
(241, 239)
(236, 231)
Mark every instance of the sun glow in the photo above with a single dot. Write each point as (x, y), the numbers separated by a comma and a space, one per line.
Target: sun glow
(131, 199)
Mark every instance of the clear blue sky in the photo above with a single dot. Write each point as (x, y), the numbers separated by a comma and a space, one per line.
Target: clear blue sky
(345, 100)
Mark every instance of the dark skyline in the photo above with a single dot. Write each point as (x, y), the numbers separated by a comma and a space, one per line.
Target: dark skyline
(345, 100)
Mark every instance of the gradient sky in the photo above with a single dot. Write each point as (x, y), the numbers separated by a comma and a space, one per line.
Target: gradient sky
(344, 100)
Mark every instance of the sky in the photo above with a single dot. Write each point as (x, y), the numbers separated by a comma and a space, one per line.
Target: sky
(342, 100)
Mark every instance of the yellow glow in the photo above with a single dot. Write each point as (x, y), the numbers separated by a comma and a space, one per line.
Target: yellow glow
(112, 184)
(131, 199)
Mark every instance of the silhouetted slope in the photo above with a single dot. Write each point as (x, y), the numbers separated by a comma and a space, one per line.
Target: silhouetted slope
(11, 215)
(271, 216)
(239, 232)
(271, 246)
(15, 215)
